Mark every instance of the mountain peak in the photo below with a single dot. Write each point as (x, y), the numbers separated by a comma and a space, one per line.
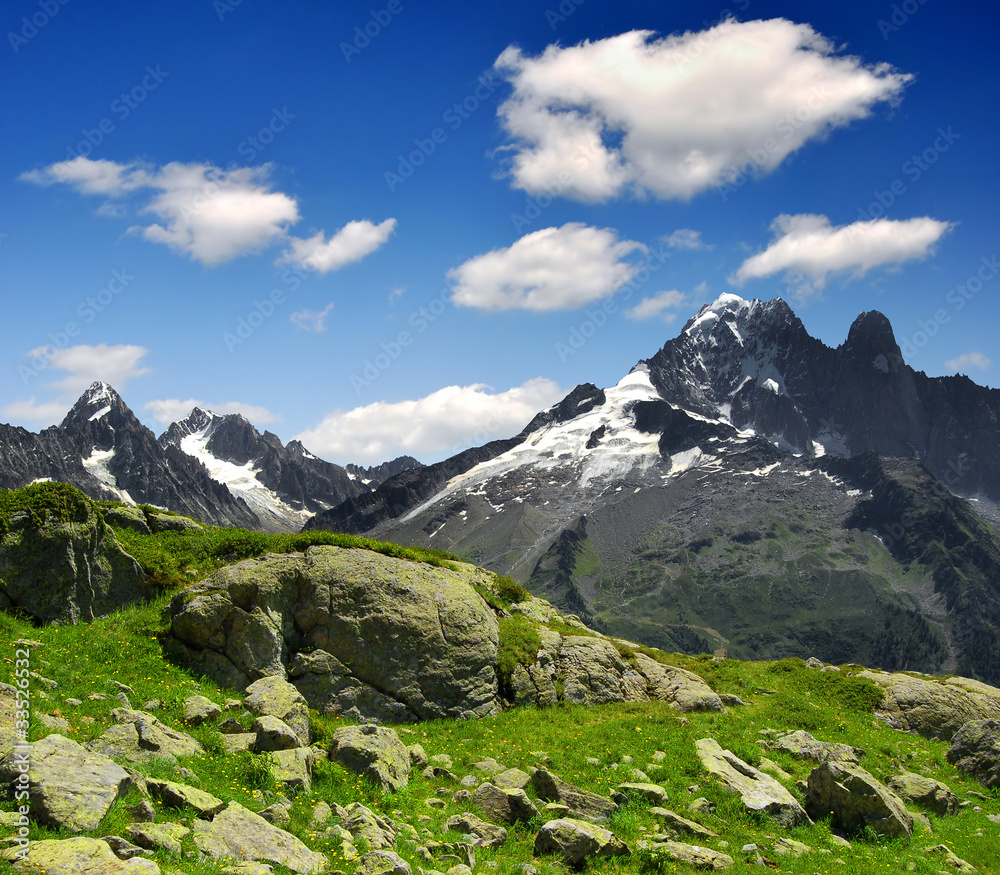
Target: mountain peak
(872, 332)
(100, 392)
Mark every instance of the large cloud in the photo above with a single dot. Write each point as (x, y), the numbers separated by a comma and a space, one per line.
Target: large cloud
(552, 269)
(809, 249)
(213, 215)
(677, 115)
(432, 427)
(168, 410)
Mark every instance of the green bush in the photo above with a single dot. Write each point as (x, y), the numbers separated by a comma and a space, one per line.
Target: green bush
(519, 644)
(509, 590)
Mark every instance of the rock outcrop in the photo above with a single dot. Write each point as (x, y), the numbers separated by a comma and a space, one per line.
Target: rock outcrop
(76, 856)
(360, 634)
(975, 750)
(856, 799)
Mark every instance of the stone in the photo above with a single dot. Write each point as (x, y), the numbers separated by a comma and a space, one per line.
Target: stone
(142, 812)
(123, 849)
(76, 856)
(786, 847)
(231, 726)
(374, 752)
(489, 766)
(925, 791)
(693, 855)
(292, 768)
(199, 709)
(487, 835)
(383, 863)
(418, 756)
(365, 824)
(758, 792)
(934, 707)
(273, 696)
(676, 824)
(242, 835)
(505, 804)
(685, 690)
(138, 737)
(273, 734)
(950, 859)
(71, 788)
(363, 635)
(804, 746)
(239, 741)
(582, 803)
(160, 521)
(512, 779)
(575, 841)
(645, 792)
(975, 750)
(175, 795)
(320, 814)
(153, 836)
(276, 815)
(856, 799)
(441, 760)
(774, 770)
(594, 673)
(701, 805)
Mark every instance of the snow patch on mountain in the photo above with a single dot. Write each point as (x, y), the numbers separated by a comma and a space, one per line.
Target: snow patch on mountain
(96, 464)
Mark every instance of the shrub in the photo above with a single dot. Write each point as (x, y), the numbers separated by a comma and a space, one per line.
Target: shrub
(509, 590)
(519, 644)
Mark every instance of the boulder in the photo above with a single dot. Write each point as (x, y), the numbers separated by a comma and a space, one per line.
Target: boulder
(512, 779)
(76, 856)
(975, 750)
(154, 836)
(488, 835)
(199, 709)
(649, 793)
(934, 707)
(674, 823)
(175, 795)
(925, 791)
(594, 673)
(124, 849)
(581, 803)
(270, 733)
(137, 736)
(575, 841)
(293, 768)
(71, 788)
(383, 863)
(856, 800)
(369, 636)
(507, 805)
(363, 823)
(274, 697)
(950, 859)
(804, 746)
(374, 752)
(66, 566)
(685, 690)
(758, 792)
(241, 835)
(171, 522)
(694, 856)
(123, 517)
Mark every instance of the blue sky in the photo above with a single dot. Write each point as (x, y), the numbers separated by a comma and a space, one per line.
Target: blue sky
(392, 227)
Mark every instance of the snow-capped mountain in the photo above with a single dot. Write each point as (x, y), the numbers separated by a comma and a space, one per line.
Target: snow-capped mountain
(742, 455)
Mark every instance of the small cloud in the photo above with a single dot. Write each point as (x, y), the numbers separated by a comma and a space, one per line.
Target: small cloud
(312, 320)
(396, 293)
(168, 410)
(651, 308)
(967, 360)
(351, 243)
(685, 238)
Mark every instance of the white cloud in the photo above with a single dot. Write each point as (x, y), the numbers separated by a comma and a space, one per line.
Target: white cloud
(674, 116)
(808, 248)
(656, 306)
(552, 269)
(351, 243)
(92, 177)
(968, 360)
(168, 410)
(116, 365)
(685, 238)
(312, 320)
(432, 427)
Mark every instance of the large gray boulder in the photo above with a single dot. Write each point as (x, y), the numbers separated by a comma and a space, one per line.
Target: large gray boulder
(375, 752)
(593, 673)
(934, 707)
(238, 834)
(71, 788)
(138, 737)
(931, 794)
(575, 841)
(856, 799)
(76, 856)
(685, 690)
(361, 634)
(975, 750)
(758, 792)
(581, 803)
(273, 696)
(66, 567)
(508, 805)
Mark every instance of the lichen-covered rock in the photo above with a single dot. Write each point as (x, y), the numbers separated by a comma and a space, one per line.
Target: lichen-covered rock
(594, 673)
(154, 836)
(274, 734)
(694, 856)
(676, 824)
(71, 787)
(758, 792)
(200, 709)
(975, 750)
(66, 566)
(383, 863)
(174, 795)
(576, 840)
(241, 835)
(856, 799)
(934, 707)
(76, 856)
(373, 751)
(505, 804)
(488, 835)
(804, 746)
(293, 768)
(273, 696)
(950, 859)
(925, 791)
(138, 737)
(682, 688)
(581, 803)
(369, 636)
(363, 823)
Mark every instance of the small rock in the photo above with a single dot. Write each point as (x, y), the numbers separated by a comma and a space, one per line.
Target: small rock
(199, 709)
(504, 804)
(158, 835)
(786, 847)
(383, 863)
(701, 805)
(950, 859)
(152, 705)
(74, 702)
(418, 756)
(123, 849)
